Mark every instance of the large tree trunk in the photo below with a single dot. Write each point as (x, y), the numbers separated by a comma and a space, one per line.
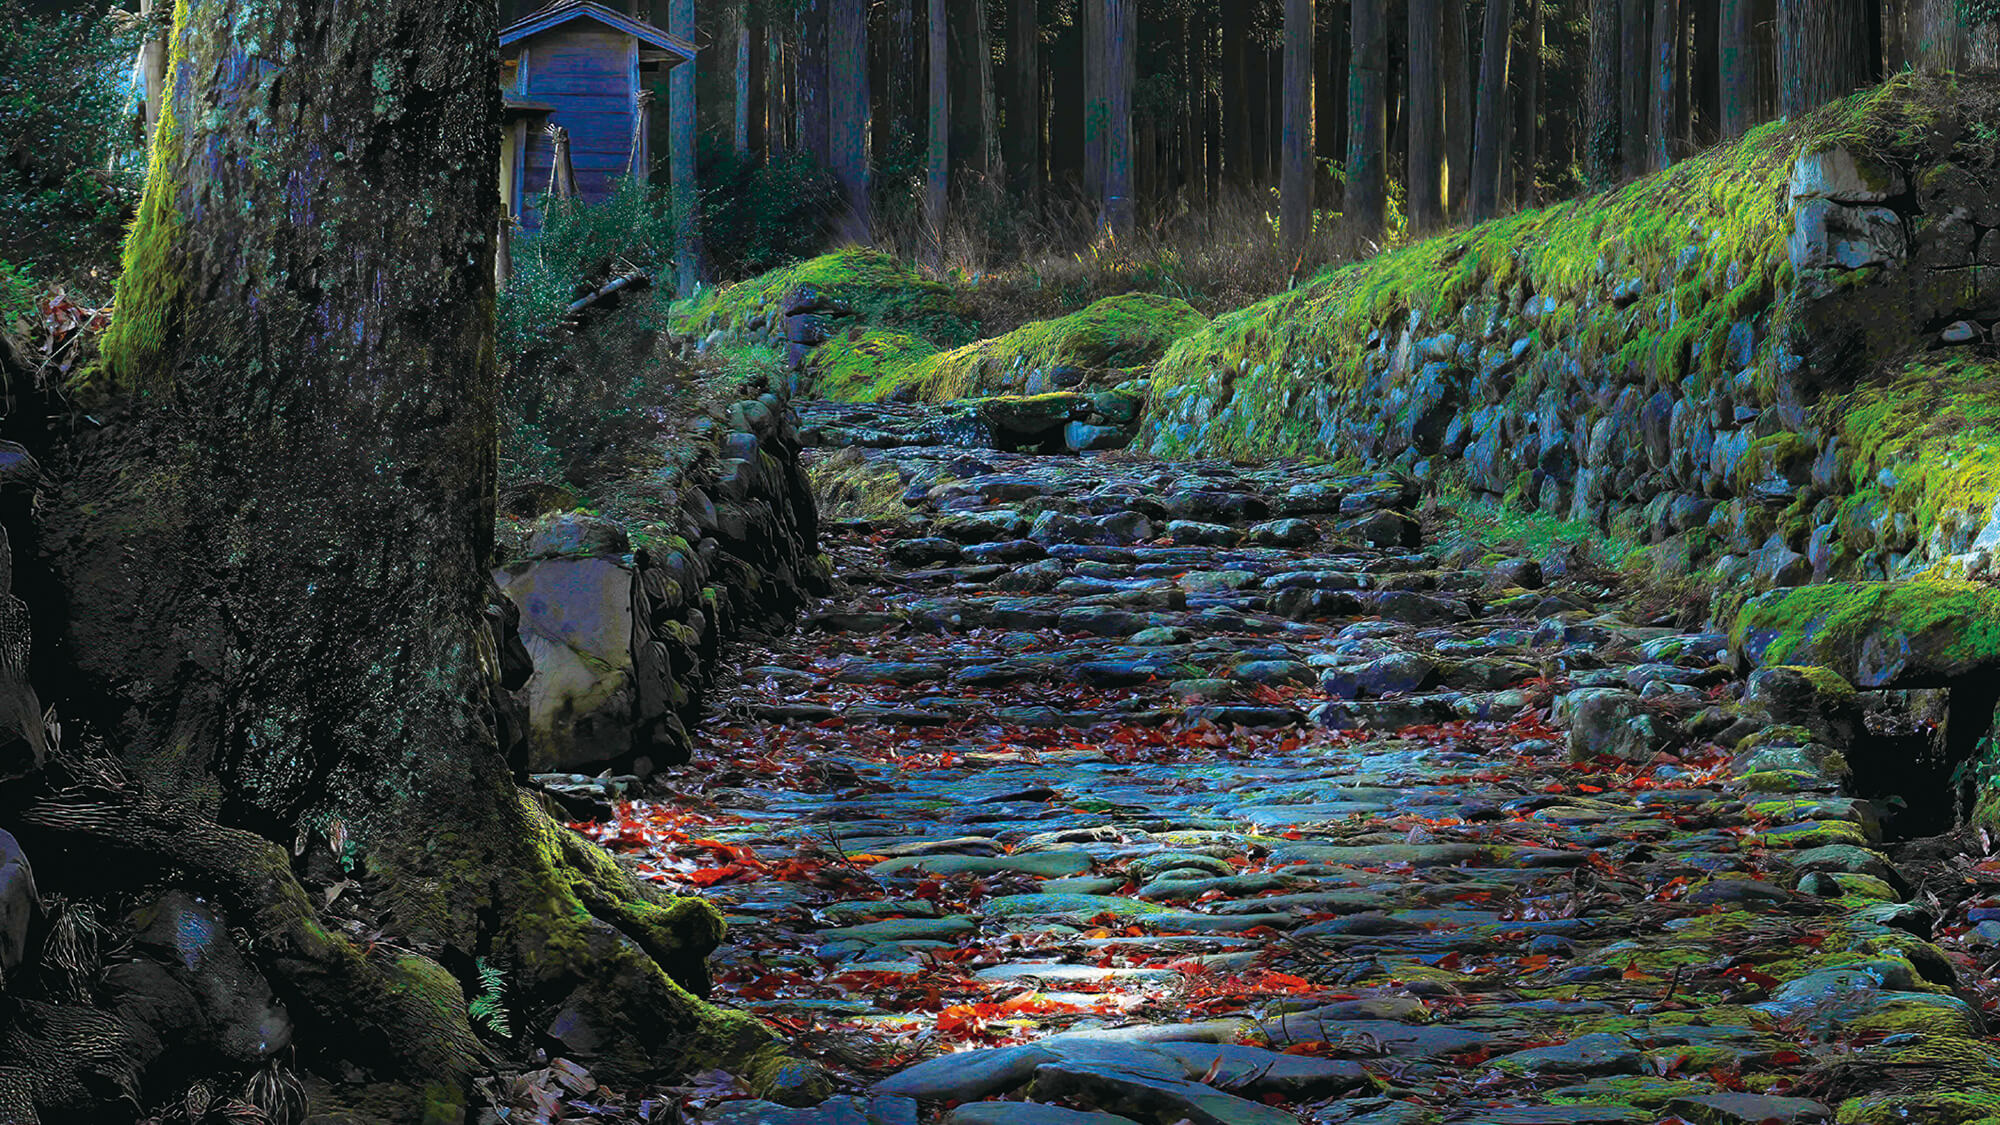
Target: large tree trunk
(1737, 63)
(1236, 96)
(1457, 106)
(1367, 101)
(1426, 167)
(687, 189)
(974, 130)
(1823, 52)
(1604, 150)
(1666, 84)
(848, 117)
(815, 125)
(1121, 33)
(1295, 209)
(937, 176)
(1636, 62)
(1024, 100)
(1490, 134)
(1194, 104)
(275, 561)
(1528, 136)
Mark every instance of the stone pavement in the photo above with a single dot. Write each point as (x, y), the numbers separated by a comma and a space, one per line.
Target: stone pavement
(1113, 791)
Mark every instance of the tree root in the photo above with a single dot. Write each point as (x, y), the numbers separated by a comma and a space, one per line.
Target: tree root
(604, 972)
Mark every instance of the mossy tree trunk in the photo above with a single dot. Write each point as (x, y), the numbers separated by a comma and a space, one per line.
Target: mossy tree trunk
(275, 563)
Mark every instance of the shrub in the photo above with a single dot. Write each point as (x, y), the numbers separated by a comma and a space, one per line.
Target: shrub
(580, 246)
(759, 215)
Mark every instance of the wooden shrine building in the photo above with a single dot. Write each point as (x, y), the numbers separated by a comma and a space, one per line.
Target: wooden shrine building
(575, 75)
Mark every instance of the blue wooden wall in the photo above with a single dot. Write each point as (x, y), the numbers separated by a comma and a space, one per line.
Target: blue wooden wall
(584, 71)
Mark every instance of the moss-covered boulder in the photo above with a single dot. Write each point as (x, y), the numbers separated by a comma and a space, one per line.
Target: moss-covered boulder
(1100, 345)
(846, 289)
(1922, 633)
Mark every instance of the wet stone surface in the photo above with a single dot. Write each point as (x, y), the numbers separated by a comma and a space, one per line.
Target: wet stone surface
(1112, 791)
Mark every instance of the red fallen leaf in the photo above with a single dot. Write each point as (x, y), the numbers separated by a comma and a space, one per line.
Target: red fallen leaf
(1473, 1057)
(1748, 975)
(1286, 980)
(1534, 964)
(1785, 1058)
(710, 876)
(1590, 789)
(1634, 972)
(1308, 1047)
(1449, 961)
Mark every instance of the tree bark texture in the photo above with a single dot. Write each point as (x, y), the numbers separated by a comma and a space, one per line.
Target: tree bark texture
(1121, 32)
(1236, 93)
(1295, 208)
(1367, 102)
(1823, 49)
(1426, 166)
(1736, 60)
(1490, 133)
(1457, 106)
(1635, 61)
(1666, 84)
(814, 128)
(687, 187)
(1603, 149)
(975, 139)
(1529, 136)
(275, 560)
(937, 176)
(849, 121)
(1024, 99)
(1096, 115)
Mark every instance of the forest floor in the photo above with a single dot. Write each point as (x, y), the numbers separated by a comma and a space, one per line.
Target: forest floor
(1113, 791)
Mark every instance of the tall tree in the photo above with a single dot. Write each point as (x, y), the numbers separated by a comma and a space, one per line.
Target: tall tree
(1529, 134)
(1490, 133)
(815, 124)
(682, 111)
(1426, 164)
(1194, 87)
(1236, 97)
(1121, 34)
(1823, 52)
(741, 74)
(1367, 105)
(1024, 98)
(904, 96)
(1457, 105)
(848, 121)
(1737, 66)
(1667, 32)
(1604, 149)
(1635, 63)
(275, 564)
(937, 176)
(1295, 208)
(975, 136)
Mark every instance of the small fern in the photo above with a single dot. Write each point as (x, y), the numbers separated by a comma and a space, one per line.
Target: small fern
(489, 1008)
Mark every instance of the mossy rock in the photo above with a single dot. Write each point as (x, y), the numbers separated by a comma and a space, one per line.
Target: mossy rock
(865, 286)
(1117, 334)
(1920, 633)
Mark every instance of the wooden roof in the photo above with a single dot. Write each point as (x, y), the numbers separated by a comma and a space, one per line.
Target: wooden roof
(555, 15)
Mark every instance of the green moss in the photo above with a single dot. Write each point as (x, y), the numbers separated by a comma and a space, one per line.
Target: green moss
(1115, 334)
(1950, 624)
(869, 364)
(874, 288)
(1260, 381)
(1933, 429)
(149, 282)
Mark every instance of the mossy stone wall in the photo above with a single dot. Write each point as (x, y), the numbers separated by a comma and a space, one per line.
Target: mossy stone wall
(1743, 354)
